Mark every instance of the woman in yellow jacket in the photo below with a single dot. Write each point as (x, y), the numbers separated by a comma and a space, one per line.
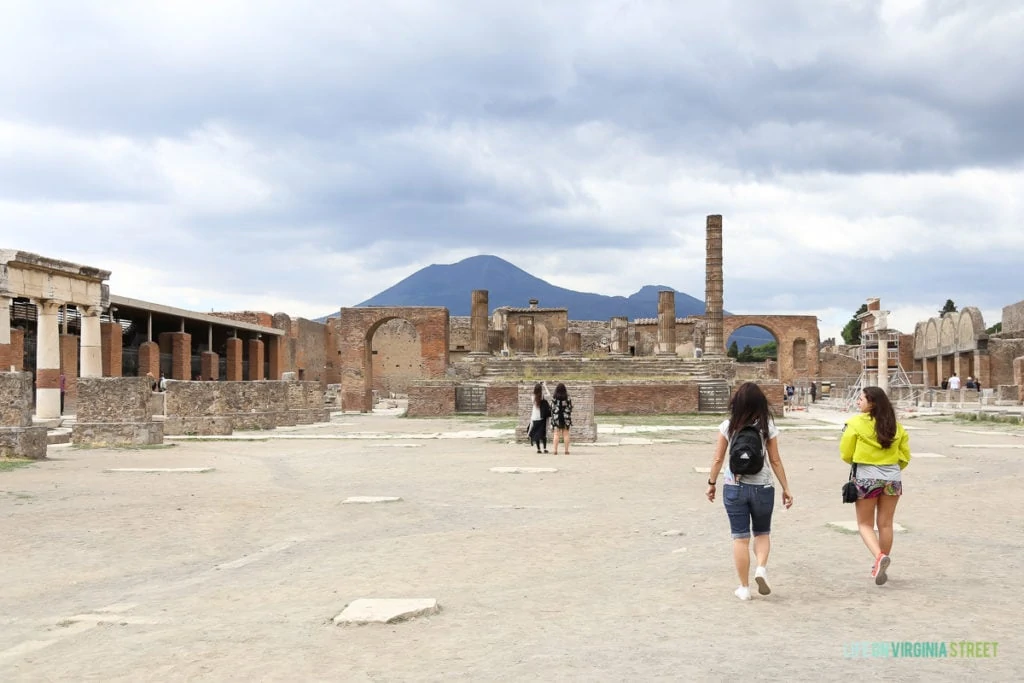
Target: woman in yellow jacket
(880, 448)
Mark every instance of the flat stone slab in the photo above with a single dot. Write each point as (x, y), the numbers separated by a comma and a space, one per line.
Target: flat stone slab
(702, 470)
(524, 470)
(829, 438)
(162, 470)
(673, 532)
(926, 455)
(385, 610)
(989, 445)
(851, 526)
(372, 499)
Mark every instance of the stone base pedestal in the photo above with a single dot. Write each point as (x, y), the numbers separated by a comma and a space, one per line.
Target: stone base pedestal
(108, 434)
(23, 442)
(310, 416)
(198, 426)
(253, 421)
(286, 418)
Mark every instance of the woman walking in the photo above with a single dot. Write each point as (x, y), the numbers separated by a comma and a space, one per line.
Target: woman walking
(878, 448)
(561, 416)
(749, 492)
(539, 418)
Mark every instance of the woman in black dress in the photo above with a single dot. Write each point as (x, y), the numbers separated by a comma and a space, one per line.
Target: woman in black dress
(561, 416)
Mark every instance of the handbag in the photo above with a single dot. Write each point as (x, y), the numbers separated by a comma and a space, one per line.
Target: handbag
(850, 487)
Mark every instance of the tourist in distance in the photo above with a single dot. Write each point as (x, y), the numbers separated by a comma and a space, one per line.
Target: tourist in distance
(561, 416)
(539, 417)
(954, 382)
(749, 491)
(878, 447)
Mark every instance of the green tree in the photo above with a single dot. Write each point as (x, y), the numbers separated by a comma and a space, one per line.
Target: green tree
(851, 333)
(995, 329)
(949, 307)
(734, 350)
(746, 355)
(769, 351)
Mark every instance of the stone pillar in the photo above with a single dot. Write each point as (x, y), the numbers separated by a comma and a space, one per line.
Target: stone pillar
(527, 343)
(69, 368)
(234, 356)
(181, 355)
(92, 346)
(17, 353)
(149, 359)
(714, 343)
(47, 360)
(666, 323)
(110, 349)
(956, 367)
(620, 336)
(209, 366)
(924, 372)
(255, 360)
(5, 334)
(983, 369)
(573, 344)
(883, 361)
(478, 317)
(275, 357)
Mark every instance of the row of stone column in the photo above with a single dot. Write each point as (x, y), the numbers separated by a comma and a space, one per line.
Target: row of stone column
(937, 368)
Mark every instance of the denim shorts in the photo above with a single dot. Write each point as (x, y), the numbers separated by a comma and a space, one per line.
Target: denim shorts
(749, 506)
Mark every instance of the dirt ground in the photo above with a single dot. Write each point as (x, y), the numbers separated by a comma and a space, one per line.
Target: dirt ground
(236, 574)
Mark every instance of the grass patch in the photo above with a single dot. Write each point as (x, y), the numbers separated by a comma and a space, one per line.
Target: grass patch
(8, 464)
(996, 418)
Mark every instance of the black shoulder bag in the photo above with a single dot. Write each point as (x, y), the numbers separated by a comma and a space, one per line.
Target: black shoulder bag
(850, 487)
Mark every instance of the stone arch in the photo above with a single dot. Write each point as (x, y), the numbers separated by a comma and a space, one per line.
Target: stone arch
(355, 329)
(947, 335)
(786, 329)
(931, 337)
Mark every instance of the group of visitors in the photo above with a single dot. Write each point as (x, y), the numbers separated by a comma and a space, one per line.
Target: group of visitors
(558, 411)
(747, 450)
(953, 383)
(157, 385)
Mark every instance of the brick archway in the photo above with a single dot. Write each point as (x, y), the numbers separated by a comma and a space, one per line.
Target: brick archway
(790, 331)
(355, 328)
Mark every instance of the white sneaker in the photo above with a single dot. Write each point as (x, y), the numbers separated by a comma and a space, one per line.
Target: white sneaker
(743, 593)
(761, 577)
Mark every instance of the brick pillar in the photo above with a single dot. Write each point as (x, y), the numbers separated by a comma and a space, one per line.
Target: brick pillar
(478, 323)
(69, 368)
(234, 355)
(209, 366)
(110, 341)
(275, 356)
(5, 334)
(255, 360)
(983, 369)
(149, 359)
(17, 352)
(181, 355)
(666, 323)
(714, 342)
(164, 340)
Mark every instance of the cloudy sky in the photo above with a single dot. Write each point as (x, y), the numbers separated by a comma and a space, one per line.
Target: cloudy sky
(301, 156)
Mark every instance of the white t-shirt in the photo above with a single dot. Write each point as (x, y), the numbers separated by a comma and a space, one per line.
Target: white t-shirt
(762, 478)
(954, 382)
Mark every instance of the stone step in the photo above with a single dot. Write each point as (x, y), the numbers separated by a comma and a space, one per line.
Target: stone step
(58, 435)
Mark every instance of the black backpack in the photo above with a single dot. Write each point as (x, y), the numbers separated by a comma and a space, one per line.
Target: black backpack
(746, 451)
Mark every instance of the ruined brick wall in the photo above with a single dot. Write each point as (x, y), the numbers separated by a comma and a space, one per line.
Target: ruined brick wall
(549, 329)
(595, 335)
(17, 349)
(332, 355)
(645, 398)
(646, 338)
(111, 343)
(837, 365)
(15, 399)
(1013, 318)
(431, 399)
(113, 400)
(774, 393)
(310, 349)
(260, 318)
(584, 426)
(459, 333)
(397, 359)
(907, 352)
(502, 399)
(1001, 355)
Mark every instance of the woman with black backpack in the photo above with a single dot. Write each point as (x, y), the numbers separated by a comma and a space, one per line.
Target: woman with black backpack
(750, 439)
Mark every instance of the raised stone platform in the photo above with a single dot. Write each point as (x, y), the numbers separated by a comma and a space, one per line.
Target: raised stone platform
(253, 421)
(213, 425)
(23, 442)
(106, 434)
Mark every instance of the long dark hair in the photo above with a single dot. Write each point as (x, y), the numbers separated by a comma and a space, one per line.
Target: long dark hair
(883, 415)
(749, 405)
(537, 393)
(561, 393)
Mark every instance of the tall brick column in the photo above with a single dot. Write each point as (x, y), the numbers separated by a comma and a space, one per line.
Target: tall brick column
(619, 343)
(17, 352)
(255, 360)
(666, 323)
(5, 334)
(181, 355)
(527, 343)
(478, 323)
(209, 366)
(234, 358)
(69, 368)
(149, 359)
(275, 357)
(111, 349)
(714, 344)
(47, 359)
